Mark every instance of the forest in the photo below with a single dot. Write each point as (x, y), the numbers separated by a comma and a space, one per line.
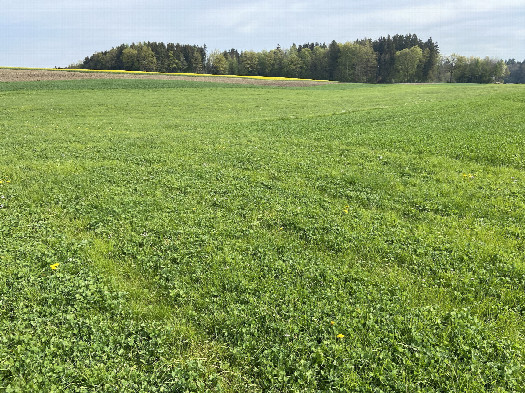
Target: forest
(396, 59)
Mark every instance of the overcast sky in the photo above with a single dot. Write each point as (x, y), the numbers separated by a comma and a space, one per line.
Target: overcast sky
(48, 33)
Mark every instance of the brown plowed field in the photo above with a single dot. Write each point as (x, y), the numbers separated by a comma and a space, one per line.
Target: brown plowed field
(16, 75)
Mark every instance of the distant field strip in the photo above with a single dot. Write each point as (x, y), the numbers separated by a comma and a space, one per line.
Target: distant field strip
(183, 236)
(153, 74)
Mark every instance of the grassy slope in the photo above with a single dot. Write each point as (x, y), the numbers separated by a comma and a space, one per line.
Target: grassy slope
(221, 237)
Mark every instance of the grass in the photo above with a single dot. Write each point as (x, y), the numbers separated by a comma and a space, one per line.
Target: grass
(228, 238)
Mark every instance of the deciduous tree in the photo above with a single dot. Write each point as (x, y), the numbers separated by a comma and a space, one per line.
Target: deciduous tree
(217, 63)
(129, 59)
(248, 63)
(407, 62)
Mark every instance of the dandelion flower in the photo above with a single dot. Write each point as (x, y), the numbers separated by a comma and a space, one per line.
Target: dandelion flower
(332, 323)
(54, 266)
(340, 335)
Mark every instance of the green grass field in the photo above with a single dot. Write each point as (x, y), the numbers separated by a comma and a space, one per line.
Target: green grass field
(164, 236)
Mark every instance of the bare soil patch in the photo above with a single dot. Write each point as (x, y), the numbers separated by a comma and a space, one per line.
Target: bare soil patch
(17, 75)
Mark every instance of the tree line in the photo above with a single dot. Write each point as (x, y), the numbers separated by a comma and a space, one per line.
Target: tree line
(396, 59)
(463, 69)
(148, 56)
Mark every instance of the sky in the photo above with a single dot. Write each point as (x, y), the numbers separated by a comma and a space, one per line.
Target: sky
(49, 33)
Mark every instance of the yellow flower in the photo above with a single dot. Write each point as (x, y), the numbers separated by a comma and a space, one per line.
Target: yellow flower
(54, 266)
(340, 335)
(332, 323)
